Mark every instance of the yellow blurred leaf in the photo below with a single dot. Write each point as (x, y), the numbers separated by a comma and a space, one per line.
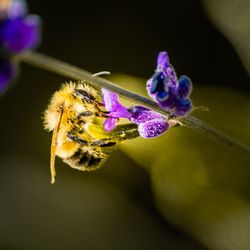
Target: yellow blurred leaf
(199, 185)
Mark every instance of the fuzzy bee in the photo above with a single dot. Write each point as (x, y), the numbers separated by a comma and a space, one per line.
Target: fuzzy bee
(75, 115)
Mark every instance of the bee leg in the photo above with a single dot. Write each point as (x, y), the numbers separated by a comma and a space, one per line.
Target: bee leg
(85, 114)
(119, 134)
(103, 143)
(73, 137)
(102, 114)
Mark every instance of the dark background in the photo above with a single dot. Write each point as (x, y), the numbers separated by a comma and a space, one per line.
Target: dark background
(121, 37)
(125, 37)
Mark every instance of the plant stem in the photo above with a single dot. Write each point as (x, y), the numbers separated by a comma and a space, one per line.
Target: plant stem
(73, 72)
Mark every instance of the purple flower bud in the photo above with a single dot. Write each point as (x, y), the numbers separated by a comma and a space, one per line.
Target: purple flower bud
(7, 72)
(184, 87)
(164, 88)
(162, 85)
(150, 123)
(109, 124)
(141, 115)
(20, 34)
(153, 128)
(183, 106)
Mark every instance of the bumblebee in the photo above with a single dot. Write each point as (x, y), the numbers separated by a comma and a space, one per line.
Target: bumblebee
(75, 115)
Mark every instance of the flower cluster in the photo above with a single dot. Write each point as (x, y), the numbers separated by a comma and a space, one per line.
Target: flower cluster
(150, 123)
(19, 32)
(169, 92)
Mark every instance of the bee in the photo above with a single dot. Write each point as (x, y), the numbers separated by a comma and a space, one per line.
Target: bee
(74, 115)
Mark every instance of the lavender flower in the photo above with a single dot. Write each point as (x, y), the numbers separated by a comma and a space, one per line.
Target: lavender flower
(115, 108)
(19, 32)
(170, 93)
(161, 86)
(150, 124)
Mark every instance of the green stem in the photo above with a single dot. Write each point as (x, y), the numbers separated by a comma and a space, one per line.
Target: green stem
(73, 72)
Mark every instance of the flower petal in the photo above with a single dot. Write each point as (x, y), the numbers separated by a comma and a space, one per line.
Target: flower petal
(184, 87)
(183, 106)
(141, 115)
(109, 124)
(109, 99)
(112, 104)
(21, 34)
(162, 61)
(153, 128)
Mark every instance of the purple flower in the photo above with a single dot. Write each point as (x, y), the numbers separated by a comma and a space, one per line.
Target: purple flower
(152, 128)
(182, 107)
(162, 61)
(150, 123)
(12, 9)
(170, 93)
(161, 86)
(115, 108)
(184, 87)
(141, 114)
(19, 32)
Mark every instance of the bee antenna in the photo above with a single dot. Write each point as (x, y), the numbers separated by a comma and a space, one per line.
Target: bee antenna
(101, 73)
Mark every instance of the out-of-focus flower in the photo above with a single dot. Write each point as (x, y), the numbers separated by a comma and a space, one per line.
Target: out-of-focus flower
(150, 123)
(19, 32)
(170, 93)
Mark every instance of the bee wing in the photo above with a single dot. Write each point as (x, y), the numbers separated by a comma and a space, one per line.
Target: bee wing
(119, 134)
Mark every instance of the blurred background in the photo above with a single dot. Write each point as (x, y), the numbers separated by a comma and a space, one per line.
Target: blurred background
(180, 191)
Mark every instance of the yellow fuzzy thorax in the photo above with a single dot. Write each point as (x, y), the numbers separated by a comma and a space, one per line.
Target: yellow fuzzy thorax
(73, 105)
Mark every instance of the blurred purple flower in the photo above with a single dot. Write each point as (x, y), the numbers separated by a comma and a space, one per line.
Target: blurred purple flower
(13, 8)
(19, 32)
